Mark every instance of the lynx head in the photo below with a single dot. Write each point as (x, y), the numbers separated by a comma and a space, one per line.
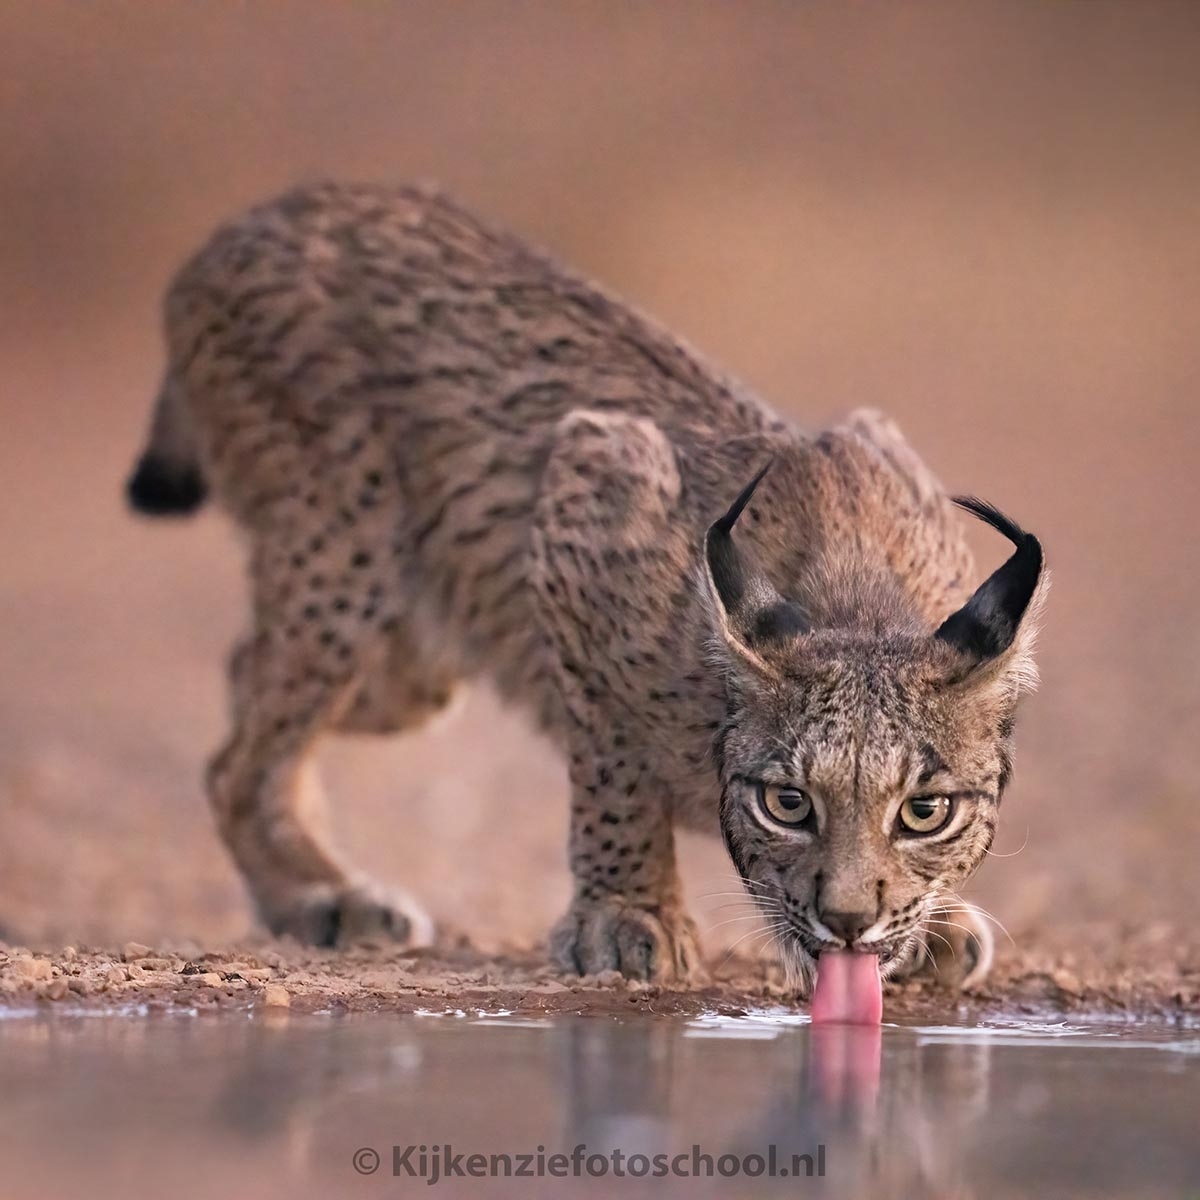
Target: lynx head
(862, 765)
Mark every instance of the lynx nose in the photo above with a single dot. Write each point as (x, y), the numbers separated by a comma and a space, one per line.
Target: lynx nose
(847, 925)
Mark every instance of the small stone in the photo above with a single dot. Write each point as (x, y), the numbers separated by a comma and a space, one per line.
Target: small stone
(256, 974)
(33, 969)
(156, 964)
(1066, 981)
(208, 979)
(79, 986)
(56, 989)
(275, 995)
(132, 950)
(135, 971)
(610, 978)
(116, 974)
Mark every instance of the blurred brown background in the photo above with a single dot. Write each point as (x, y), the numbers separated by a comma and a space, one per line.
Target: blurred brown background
(982, 217)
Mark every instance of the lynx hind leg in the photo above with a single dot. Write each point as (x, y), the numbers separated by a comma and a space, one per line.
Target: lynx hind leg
(400, 693)
(608, 494)
(295, 678)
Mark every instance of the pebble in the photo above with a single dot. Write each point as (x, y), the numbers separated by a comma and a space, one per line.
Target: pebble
(156, 964)
(116, 974)
(275, 995)
(56, 989)
(610, 978)
(32, 968)
(1067, 981)
(132, 950)
(208, 979)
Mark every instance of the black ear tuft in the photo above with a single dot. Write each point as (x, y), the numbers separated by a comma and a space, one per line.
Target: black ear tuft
(725, 565)
(991, 515)
(729, 520)
(987, 624)
(753, 612)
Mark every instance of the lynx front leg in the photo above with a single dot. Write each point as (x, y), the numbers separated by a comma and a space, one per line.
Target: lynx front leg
(955, 948)
(627, 913)
(608, 557)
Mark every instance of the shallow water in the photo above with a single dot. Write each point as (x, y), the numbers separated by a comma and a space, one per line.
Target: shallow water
(271, 1106)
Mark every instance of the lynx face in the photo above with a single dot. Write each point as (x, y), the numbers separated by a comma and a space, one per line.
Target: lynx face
(862, 771)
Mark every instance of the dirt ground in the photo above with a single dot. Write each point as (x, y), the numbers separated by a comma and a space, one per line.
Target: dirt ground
(1142, 976)
(980, 218)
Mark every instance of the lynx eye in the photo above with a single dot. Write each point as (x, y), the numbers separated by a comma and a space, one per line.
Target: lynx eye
(925, 814)
(786, 805)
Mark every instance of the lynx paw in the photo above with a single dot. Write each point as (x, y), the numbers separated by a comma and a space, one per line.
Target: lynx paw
(955, 950)
(326, 916)
(657, 946)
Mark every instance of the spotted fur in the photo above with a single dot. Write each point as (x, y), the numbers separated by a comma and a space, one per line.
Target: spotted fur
(454, 460)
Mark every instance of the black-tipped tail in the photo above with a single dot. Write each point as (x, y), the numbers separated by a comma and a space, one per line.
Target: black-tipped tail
(162, 488)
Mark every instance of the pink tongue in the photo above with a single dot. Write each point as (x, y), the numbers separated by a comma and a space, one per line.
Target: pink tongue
(848, 988)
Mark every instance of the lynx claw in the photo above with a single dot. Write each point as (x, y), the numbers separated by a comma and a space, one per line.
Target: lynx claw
(652, 946)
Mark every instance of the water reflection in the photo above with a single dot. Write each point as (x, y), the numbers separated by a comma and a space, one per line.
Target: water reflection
(820, 1093)
(274, 1108)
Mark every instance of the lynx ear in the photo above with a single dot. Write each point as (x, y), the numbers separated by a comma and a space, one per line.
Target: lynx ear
(999, 615)
(750, 613)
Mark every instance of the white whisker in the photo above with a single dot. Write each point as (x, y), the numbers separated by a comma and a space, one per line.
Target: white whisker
(983, 912)
(734, 920)
(941, 938)
(1011, 853)
(729, 952)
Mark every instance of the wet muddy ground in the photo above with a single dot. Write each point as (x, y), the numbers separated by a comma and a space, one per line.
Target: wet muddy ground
(1098, 975)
